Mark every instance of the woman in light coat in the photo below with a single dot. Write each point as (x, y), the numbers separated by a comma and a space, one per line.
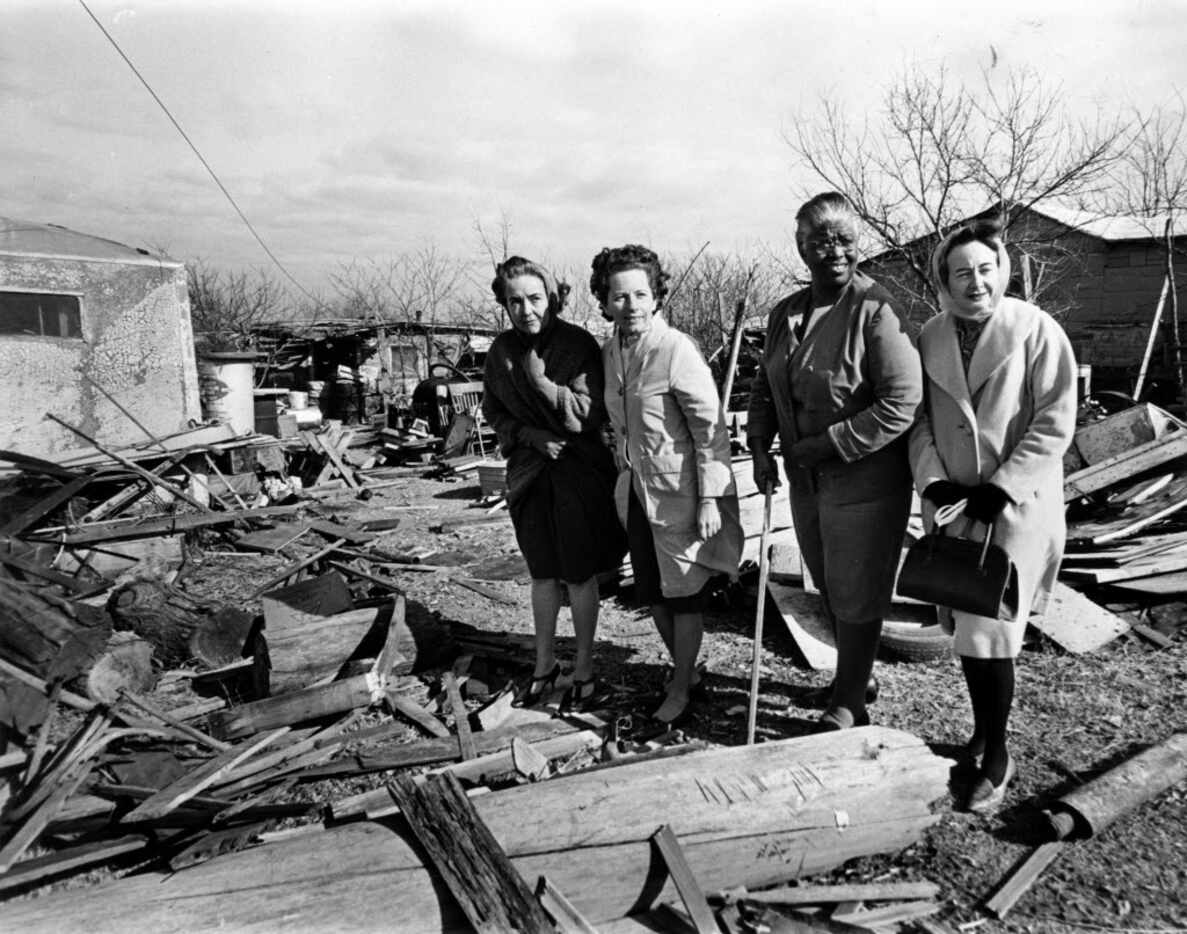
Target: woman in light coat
(1000, 412)
(677, 496)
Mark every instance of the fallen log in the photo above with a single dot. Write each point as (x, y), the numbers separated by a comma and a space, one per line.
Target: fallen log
(754, 816)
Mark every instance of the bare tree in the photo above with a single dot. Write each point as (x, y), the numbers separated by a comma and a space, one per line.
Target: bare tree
(1150, 180)
(426, 286)
(225, 305)
(942, 150)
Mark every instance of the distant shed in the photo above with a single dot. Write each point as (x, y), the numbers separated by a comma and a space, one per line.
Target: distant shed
(77, 313)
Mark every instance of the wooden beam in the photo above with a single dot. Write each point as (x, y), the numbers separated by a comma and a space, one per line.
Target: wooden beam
(476, 869)
(686, 884)
(293, 568)
(829, 894)
(414, 713)
(562, 911)
(22, 520)
(1129, 464)
(40, 869)
(297, 707)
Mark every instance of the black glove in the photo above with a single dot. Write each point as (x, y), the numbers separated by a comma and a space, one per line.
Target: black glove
(945, 492)
(986, 502)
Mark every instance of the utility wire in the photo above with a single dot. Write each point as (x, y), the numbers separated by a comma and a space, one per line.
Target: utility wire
(223, 188)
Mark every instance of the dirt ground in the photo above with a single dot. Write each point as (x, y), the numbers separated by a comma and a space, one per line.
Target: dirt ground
(1074, 717)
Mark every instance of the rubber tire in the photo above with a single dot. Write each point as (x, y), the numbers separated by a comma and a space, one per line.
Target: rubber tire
(915, 642)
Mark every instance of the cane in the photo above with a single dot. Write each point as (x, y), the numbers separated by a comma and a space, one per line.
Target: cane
(764, 570)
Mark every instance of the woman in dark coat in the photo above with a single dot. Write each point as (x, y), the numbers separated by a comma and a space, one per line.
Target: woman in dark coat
(543, 396)
(840, 381)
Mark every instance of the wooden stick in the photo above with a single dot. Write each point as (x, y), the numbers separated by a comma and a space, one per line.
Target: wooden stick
(132, 465)
(183, 728)
(828, 894)
(691, 894)
(735, 348)
(461, 718)
(1137, 386)
(764, 572)
(1022, 878)
(293, 568)
(42, 743)
(34, 871)
(39, 819)
(416, 714)
(568, 919)
(69, 698)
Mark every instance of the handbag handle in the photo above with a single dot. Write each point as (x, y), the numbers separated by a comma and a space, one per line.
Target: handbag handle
(952, 511)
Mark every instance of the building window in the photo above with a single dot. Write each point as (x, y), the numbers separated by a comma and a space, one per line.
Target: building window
(40, 315)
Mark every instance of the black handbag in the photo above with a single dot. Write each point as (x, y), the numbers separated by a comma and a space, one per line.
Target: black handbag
(960, 573)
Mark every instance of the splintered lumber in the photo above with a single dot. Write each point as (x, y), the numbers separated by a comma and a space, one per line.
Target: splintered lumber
(1023, 877)
(414, 713)
(461, 719)
(888, 914)
(1130, 520)
(491, 893)
(746, 815)
(1092, 807)
(1125, 465)
(194, 783)
(1077, 624)
(685, 881)
(1167, 584)
(295, 707)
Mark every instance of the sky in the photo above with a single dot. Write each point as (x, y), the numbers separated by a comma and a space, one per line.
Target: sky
(351, 130)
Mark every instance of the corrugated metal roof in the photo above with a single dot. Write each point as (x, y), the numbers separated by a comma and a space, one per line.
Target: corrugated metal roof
(28, 238)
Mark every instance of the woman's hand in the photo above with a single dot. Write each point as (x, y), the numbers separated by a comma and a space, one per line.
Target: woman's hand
(766, 471)
(809, 452)
(548, 444)
(708, 518)
(986, 502)
(533, 368)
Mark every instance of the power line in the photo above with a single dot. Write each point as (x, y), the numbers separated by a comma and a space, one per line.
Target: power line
(223, 188)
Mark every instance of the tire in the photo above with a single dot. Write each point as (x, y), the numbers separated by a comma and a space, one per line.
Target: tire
(911, 634)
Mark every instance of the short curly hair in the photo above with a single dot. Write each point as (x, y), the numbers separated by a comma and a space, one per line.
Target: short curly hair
(632, 256)
(827, 207)
(514, 266)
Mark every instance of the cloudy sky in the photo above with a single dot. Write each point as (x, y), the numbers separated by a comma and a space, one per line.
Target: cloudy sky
(349, 129)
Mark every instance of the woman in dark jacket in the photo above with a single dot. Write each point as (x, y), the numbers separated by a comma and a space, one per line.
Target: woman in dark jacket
(840, 382)
(543, 396)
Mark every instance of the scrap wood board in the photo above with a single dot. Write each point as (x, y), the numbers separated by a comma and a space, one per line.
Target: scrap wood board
(1076, 623)
(752, 504)
(804, 617)
(1132, 519)
(1158, 585)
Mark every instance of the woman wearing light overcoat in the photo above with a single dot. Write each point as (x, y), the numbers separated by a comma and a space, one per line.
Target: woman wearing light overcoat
(677, 498)
(1000, 412)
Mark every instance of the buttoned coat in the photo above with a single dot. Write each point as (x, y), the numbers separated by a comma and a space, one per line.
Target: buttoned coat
(670, 431)
(855, 376)
(1009, 423)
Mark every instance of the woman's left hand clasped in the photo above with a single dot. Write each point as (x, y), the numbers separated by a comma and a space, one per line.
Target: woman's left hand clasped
(708, 518)
(548, 444)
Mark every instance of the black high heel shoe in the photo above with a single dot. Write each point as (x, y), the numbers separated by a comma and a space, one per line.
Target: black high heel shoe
(583, 696)
(538, 688)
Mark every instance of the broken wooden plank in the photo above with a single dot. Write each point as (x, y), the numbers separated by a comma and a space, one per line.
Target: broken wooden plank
(39, 818)
(291, 569)
(295, 707)
(1022, 878)
(271, 541)
(889, 914)
(194, 783)
(490, 891)
(686, 884)
(1076, 623)
(1147, 567)
(856, 892)
(414, 713)
(76, 587)
(529, 761)
(1162, 585)
(332, 530)
(1125, 465)
(184, 728)
(461, 718)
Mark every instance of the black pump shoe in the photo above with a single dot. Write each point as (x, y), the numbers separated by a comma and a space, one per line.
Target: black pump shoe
(537, 688)
(822, 697)
(583, 696)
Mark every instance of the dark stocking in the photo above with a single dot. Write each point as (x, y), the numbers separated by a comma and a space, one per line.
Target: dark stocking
(991, 690)
(857, 644)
